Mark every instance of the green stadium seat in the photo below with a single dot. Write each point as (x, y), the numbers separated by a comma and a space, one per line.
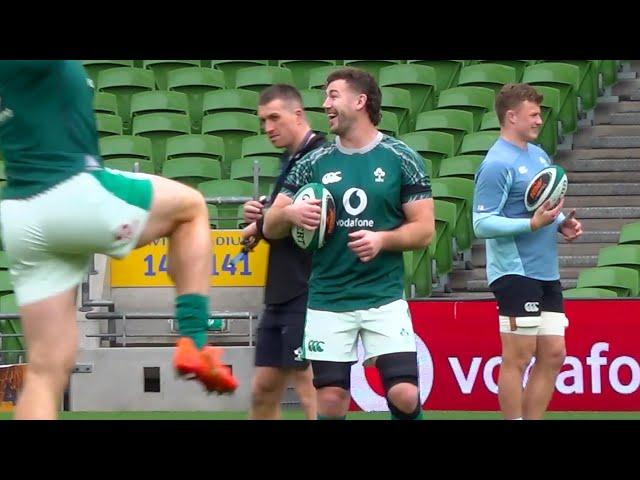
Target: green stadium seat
(313, 100)
(130, 164)
(462, 166)
(398, 101)
(195, 145)
(5, 282)
(588, 292)
(478, 143)
(445, 220)
(620, 256)
(105, 103)
(260, 145)
(388, 124)
(318, 122)
(227, 214)
(551, 127)
(195, 82)
(517, 65)
(447, 71)
(587, 87)
(158, 127)
(125, 146)
(300, 69)
(318, 76)
(455, 122)
(8, 304)
(623, 281)
(417, 267)
(161, 68)
(269, 170)
(608, 69)
(123, 83)
(158, 101)
(488, 75)
(94, 67)
(371, 66)
(230, 67)
(490, 122)
(4, 260)
(192, 170)
(233, 128)
(564, 78)
(418, 80)
(460, 192)
(107, 124)
(258, 78)
(431, 145)
(630, 234)
(477, 100)
(230, 100)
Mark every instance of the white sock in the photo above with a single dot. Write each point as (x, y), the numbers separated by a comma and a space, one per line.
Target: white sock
(519, 418)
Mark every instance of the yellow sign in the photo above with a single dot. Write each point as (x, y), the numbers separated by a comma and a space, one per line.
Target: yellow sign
(147, 266)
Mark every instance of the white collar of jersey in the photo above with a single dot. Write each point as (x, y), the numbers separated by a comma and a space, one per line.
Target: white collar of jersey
(365, 149)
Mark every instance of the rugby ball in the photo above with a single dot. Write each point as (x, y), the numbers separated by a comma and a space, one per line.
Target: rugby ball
(313, 239)
(550, 183)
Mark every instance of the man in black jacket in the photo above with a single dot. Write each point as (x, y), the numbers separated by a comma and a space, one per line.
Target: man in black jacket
(281, 326)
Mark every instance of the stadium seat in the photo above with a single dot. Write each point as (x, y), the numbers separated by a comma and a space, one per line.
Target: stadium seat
(105, 103)
(460, 192)
(161, 68)
(447, 71)
(230, 67)
(258, 78)
(551, 127)
(268, 171)
(5, 282)
(455, 122)
(371, 66)
(488, 75)
(94, 67)
(227, 214)
(490, 122)
(318, 76)
(477, 100)
(124, 82)
(192, 170)
(620, 256)
(318, 122)
(623, 281)
(158, 101)
(589, 292)
(398, 101)
(478, 143)
(388, 124)
(517, 65)
(564, 78)
(445, 221)
(122, 152)
(8, 304)
(195, 145)
(417, 267)
(300, 69)
(230, 100)
(608, 69)
(462, 166)
(313, 100)
(431, 145)
(107, 124)
(260, 145)
(630, 234)
(130, 164)
(418, 80)
(4, 260)
(158, 127)
(195, 82)
(587, 87)
(232, 127)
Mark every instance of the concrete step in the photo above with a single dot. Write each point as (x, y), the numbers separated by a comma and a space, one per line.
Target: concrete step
(626, 87)
(601, 165)
(564, 249)
(458, 277)
(603, 237)
(483, 286)
(625, 118)
(578, 259)
(626, 141)
(608, 212)
(605, 177)
(604, 224)
(602, 201)
(582, 189)
(627, 75)
(601, 153)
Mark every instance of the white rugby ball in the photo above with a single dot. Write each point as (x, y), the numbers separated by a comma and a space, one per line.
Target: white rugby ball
(550, 183)
(313, 239)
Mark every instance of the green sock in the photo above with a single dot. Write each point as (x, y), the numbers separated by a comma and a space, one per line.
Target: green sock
(325, 417)
(192, 313)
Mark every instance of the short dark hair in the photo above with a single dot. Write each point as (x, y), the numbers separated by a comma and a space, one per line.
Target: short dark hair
(280, 91)
(361, 82)
(513, 94)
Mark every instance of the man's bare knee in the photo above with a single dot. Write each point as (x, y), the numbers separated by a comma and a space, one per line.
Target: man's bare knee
(553, 359)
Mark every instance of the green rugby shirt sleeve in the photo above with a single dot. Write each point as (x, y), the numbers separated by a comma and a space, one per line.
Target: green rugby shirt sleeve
(416, 184)
(301, 174)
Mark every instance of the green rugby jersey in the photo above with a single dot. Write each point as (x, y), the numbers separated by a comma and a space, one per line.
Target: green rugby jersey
(369, 187)
(47, 125)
